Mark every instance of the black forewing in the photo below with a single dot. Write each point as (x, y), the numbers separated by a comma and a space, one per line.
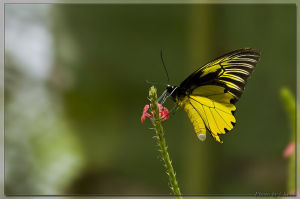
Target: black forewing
(230, 71)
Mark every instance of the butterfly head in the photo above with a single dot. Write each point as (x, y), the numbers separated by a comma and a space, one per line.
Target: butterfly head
(170, 88)
(167, 93)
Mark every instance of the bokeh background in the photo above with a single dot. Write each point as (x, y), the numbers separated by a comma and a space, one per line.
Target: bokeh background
(75, 87)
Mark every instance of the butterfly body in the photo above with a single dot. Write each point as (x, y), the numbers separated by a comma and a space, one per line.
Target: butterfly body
(209, 94)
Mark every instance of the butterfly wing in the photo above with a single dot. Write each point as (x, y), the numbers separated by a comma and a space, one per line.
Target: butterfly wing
(214, 89)
(209, 109)
(230, 71)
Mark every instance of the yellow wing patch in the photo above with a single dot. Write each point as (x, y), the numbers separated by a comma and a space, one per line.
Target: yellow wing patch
(196, 119)
(208, 107)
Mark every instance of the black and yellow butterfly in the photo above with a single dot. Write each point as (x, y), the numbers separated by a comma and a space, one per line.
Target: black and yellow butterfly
(209, 94)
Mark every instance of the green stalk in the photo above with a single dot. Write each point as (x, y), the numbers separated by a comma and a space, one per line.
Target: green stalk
(289, 104)
(161, 142)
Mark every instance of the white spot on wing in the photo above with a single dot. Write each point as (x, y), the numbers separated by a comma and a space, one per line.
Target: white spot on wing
(201, 137)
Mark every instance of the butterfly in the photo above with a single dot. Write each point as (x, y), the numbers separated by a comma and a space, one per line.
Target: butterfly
(210, 93)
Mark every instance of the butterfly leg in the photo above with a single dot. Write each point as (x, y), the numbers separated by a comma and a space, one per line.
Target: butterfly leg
(162, 97)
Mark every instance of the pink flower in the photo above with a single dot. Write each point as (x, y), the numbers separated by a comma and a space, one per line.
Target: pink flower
(289, 150)
(163, 112)
(145, 114)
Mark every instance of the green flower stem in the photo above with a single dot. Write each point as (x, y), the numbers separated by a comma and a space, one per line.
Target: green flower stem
(161, 142)
(289, 104)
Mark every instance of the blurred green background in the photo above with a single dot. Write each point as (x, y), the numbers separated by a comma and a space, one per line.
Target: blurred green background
(75, 87)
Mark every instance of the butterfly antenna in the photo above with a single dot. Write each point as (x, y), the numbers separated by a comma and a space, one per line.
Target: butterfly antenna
(162, 60)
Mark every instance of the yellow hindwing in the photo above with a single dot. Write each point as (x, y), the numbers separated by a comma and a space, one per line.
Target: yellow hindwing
(209, 107)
